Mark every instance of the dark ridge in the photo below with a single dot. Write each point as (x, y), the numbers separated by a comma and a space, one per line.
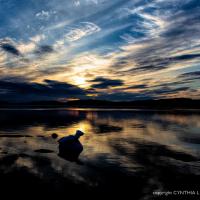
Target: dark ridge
(177, 103)
(141, 104)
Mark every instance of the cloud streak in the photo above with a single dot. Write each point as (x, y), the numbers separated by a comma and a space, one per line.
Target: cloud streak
(83, 30)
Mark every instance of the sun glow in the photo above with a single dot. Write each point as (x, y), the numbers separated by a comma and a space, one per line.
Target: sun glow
(79, 80)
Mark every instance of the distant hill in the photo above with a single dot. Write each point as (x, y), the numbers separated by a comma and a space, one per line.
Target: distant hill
(142, 104)
(178, 103)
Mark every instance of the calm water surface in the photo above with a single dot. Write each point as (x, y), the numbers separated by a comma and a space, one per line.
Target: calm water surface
(125, 152)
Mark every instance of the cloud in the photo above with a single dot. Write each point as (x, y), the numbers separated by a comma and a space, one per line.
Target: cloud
(140, 86)
(26, 47)
(165, 91)
(103, 83)
(150, 93)
(185, 57)
(9, 48)
(175, 33)
(77, 3)
(156, 63)
(29, 91)
(37, 38)
(85, 29)
(190, 76)
(44, 49)
(42, 15)
(148, 26)
(45, 15)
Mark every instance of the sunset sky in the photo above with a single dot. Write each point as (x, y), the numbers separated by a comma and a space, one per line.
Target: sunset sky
(99, 49)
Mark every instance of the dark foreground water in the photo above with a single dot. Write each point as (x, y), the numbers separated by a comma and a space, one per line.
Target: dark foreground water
(126, 153)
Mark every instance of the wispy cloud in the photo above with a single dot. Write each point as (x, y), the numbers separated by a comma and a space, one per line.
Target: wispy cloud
(85, 29)
(45, 15)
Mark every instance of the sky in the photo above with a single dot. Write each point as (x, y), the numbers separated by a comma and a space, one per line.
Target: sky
(120, 50)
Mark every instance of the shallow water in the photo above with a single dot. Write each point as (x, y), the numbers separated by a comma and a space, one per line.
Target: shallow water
(125, 152)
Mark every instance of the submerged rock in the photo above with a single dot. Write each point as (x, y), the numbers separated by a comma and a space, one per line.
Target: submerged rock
(44, 151)
(54, 135)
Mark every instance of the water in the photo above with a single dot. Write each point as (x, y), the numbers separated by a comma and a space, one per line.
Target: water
(125, 152)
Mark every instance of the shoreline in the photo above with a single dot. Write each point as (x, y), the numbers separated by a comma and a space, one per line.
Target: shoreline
(169, 110)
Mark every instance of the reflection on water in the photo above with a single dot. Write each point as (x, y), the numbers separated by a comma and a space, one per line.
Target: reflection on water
(124, 151)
